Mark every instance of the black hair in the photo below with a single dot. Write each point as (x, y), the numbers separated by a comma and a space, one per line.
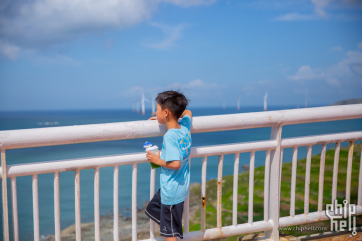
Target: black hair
(175, 101)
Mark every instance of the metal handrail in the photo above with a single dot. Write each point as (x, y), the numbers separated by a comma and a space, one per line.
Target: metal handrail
(50, 136)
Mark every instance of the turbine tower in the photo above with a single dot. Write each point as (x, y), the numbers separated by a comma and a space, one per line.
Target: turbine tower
(224, 105)
(143, 103)
(265, 99)
(306, 101)
(138, 107)
(238, 104)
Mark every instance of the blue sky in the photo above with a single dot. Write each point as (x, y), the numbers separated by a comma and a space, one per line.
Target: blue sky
(64, 54)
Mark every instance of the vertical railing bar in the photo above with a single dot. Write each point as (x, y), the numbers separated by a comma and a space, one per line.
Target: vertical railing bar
(281, 169)
(360, 182)
(115, 202)
(335, 172)
(14, 205)
(219, 191)
(235, 189)
(251, 187)
(321, 178)
(307, 180)
(266, 185)
(349, 171)
(78, 234)
(293, 181)
(274, 177)
(4, 196)
(56, 207)
(35, 207)
(186, 209)
(97, 236)
(203, 192)
(152, 193)
(134, 202)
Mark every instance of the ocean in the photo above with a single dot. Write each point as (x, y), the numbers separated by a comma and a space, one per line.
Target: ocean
(43, 119)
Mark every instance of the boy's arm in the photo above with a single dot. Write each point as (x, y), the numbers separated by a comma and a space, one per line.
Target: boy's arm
(188, 113)
(155, 158)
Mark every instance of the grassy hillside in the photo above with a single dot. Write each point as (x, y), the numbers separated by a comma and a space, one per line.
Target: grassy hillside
(227, 190)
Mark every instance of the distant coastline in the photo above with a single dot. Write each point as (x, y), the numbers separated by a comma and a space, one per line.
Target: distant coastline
(348, 102)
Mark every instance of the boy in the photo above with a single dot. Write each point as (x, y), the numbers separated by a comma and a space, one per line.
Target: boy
(166, 207)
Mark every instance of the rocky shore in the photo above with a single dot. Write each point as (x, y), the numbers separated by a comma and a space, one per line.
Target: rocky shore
(125, 224)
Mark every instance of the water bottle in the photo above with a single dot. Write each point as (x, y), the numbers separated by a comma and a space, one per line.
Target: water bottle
(148, 146)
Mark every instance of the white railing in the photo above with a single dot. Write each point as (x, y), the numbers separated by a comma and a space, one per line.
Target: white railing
(15, 139)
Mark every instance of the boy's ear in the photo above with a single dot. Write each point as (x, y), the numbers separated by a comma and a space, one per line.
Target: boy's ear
(167, 112)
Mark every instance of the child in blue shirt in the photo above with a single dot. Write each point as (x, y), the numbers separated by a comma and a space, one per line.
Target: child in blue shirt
(166, 207)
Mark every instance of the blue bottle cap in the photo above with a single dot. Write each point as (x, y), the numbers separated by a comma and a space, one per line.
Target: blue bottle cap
(147, 144)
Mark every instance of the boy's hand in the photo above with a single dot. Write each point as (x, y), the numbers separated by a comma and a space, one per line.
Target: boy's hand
(187, 112)
(152, 157)
(153, 118)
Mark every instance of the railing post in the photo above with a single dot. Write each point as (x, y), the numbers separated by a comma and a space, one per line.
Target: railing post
(152, 193)
(219, 192)
(203, 192)
(274, 184)
(5, 197)
(134, 202)
(115, 202)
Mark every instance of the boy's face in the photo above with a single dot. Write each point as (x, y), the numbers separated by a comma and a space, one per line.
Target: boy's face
(160, 114)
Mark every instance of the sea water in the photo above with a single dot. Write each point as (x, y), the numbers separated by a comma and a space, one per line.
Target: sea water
(43, 119)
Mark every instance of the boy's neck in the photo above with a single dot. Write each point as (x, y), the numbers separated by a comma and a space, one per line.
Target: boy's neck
(172, 124)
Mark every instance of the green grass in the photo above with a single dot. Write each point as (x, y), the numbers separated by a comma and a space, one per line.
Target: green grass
(258, 198)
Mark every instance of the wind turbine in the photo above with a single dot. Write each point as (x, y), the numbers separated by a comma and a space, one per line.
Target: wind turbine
(265, 99)
(238, 104)
(138, 107)
(143, 103)
(224, 105)
(306, 101)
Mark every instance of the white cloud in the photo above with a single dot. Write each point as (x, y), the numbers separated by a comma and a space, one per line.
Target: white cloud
(172, 34)
(295, 17)
(319, 10)
(196, 83)
(8, 50)
(333, 81)
(196, 86)
(336, 48)
(360, 45)
(319, 6)
(348, 69)
(188, 3)
(40, 24)
(357, 68)
(195, 89)
(305, 73)
(134, 91)
(57, 59)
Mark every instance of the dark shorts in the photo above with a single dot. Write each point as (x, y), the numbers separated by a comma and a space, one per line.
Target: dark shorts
(169, 217)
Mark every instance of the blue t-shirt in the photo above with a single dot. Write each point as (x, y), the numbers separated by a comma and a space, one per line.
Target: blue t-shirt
(175, 183)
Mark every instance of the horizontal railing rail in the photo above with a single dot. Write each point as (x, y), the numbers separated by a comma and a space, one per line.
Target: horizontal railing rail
(115, 131)
(50, 136)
